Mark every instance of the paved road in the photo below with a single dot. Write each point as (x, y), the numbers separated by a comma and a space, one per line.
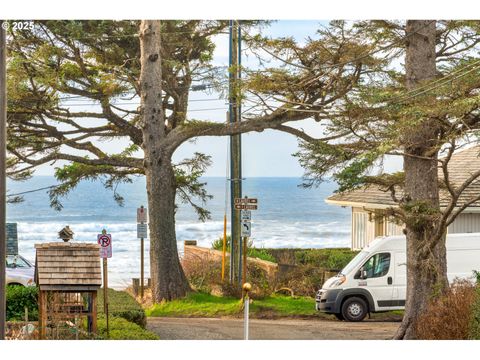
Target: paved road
(232, 329)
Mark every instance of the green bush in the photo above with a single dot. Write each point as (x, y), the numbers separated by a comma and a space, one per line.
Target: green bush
(325, 258)
(122, 304)
(121, 329)
(19, 297)
(252, 251)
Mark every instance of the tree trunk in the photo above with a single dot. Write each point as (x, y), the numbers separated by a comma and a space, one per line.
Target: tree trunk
(426, 268)
(168, 280)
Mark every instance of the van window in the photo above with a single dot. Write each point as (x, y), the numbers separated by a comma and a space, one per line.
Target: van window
(377, 265)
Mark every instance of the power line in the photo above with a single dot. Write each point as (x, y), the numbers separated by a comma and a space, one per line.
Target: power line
(32, 191)
(384, 48)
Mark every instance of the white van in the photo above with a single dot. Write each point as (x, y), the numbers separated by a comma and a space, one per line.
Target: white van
(376, 279)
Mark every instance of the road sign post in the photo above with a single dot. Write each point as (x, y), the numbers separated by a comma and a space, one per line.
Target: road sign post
(105, 242)
(245, 205)
(142, 230)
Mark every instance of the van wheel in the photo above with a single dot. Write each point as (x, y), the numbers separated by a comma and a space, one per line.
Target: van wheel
(339, 317)
(354, 309)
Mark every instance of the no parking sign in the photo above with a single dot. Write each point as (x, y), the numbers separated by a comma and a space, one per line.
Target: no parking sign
(105, 242)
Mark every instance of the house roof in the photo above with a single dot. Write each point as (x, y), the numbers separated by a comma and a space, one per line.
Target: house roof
(67, 265)
(461, 166)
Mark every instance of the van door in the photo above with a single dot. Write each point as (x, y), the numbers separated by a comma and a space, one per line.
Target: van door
(378, 280)
(400, 279)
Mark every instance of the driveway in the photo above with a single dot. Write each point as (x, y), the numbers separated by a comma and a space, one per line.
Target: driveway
(288, 329)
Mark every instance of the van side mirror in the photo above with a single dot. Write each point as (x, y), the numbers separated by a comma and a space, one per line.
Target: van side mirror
(363, 273)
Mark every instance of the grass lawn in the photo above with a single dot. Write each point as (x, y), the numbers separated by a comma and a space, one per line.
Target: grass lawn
(206, 305)
(275, 306)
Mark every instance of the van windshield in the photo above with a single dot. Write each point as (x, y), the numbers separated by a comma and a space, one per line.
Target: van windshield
(357, 260)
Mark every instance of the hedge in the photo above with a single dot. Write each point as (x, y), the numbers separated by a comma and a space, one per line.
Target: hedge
(19, 297)
(123, 305)
(121, 329)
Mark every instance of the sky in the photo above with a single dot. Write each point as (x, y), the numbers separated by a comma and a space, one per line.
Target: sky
(265, 154)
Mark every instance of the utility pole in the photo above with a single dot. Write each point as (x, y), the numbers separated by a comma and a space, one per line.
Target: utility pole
(3, 121)
(235, 151)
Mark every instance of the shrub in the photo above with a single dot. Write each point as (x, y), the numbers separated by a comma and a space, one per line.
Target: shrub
(205, 275)
(122, 304)
(259, 253)
(303, 280)
(449, 316)
(19, 297)
(122, 329)
(325, 258)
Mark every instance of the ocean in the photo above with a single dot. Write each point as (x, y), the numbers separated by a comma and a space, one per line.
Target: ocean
(287, 216)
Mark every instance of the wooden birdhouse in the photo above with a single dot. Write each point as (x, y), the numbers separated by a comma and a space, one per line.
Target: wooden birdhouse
(66, 234)
(68, 276)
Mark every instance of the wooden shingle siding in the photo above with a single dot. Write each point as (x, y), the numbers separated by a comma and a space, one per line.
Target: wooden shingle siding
(68, 264)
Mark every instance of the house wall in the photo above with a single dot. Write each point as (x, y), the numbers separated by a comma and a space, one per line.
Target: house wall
(366, 227)
(465, 223)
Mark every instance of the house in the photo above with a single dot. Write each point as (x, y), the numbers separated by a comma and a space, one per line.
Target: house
(369, 202)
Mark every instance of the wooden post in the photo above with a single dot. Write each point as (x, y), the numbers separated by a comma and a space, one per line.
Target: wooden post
(105, 293)
(136, 286)
(142, 280)
(3, 122)
(244, 272)
(93, 312)
(43, 316)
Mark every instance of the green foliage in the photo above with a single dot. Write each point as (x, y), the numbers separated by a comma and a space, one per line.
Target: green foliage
(121, 329)
(419, 215)
(261, 254)
(122, 305)
(252, 252)
(325, 258)
(197, 304)
(475, 321)
(19, 297)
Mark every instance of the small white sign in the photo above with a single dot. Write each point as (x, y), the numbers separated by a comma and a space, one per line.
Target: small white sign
(246, 215)
(142, 231)
(141, 215)
(105, 242)
(246, 229)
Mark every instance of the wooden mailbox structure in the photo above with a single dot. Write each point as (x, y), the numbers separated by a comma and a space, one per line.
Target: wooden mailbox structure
(68, 276)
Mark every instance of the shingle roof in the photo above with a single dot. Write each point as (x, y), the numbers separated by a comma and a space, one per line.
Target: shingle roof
(461, 166)
(60, 264)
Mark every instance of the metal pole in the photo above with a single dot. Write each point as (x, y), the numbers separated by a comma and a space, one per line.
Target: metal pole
(246, 288)
(3, 121)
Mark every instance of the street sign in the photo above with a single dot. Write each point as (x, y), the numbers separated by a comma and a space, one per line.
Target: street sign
(246, 215)
(142, 231)
(246, 229)
(245, 207)
(246, 201)
(105, 242)
(141, 215)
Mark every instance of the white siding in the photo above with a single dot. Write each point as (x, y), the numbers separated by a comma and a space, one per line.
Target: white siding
(363, 229)
(359, 229)
(465, 223)
(393, 228)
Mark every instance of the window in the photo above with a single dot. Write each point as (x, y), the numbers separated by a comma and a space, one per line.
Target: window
(377, 265)
(14, 261)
